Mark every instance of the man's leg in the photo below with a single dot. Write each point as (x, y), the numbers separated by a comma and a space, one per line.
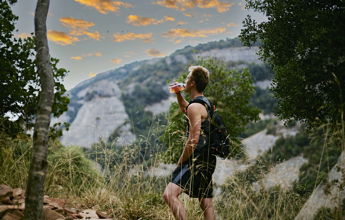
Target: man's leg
(206, 205)
(171, 193)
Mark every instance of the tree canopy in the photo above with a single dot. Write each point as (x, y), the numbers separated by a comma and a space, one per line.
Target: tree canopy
(20, 84)
(304, 43)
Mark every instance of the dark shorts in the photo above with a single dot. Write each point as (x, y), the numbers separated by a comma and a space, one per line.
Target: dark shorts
(195, 180)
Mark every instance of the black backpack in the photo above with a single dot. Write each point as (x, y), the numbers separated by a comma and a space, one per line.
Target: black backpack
(218, 138)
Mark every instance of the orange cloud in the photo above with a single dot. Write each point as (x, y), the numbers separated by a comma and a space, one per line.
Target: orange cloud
(79, 27)
(104, 6)
(132, 36)
(177, 41)
(182, 5)
(144, 21)
(180, 32)
(61, 38)
(74, 23)
(77, 58)
(154, 53)
(187, 15)
(23, 35)
(92, 74)
(96, 35)
(231, 24)
(117, 61)
(168, 18)
(96, 54)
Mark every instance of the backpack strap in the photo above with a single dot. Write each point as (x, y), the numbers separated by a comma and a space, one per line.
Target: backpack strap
(205, 102)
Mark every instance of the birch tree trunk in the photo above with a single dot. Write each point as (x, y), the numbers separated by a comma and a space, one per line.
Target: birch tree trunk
(38, 167)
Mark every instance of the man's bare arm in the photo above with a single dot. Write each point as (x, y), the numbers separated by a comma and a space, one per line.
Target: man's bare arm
(182, 102)
(194, 116)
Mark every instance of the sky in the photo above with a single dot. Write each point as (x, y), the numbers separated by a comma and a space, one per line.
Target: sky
(94, 36)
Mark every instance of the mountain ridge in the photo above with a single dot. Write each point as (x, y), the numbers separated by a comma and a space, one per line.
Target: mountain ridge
(139, 85)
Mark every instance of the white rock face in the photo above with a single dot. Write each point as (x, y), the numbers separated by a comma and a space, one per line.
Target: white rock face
(163, 170)
(258, 144)
(283, 175)
(99, 116)
(162, 106)
(323, 196)
(226, 169)
(234, 54)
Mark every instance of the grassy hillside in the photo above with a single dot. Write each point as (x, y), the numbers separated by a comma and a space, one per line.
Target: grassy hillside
(125, 191)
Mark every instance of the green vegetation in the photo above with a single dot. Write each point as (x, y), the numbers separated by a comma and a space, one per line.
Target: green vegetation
(69, 170)
(255, 127)
(19, 77)
(306, 56)
(124, 190)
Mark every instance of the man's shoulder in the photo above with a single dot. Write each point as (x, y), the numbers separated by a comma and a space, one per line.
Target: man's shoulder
(195, 106)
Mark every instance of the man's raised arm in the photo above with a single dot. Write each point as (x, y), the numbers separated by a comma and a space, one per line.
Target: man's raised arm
(182, 102)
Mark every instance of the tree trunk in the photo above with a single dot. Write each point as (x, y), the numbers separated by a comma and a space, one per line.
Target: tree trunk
(38, 167)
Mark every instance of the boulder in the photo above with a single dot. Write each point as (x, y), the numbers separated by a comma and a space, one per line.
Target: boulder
(13, 214)
(49, 214)
(6, 194)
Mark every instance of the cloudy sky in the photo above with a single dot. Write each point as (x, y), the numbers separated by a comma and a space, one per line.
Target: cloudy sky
(93, 36)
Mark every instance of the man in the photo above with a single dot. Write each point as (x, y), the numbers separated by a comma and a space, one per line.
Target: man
(196, 165)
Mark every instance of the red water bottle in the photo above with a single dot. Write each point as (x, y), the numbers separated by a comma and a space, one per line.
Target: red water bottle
(176, 87)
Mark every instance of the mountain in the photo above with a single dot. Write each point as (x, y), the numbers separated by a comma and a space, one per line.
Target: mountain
(121, 103)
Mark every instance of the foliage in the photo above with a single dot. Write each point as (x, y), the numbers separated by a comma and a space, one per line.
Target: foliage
(306, 143)
(255, 127)
(260, 72)
(19, 78)
(231, 90)
(303, 42)
(264, 100)
(108, 154)
(239, 201)
(68, 171)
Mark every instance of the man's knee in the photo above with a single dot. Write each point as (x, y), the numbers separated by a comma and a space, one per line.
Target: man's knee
(166, 195)
(171, 192)
(206, 203)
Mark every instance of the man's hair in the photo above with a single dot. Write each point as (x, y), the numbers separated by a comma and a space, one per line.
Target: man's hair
(201, 77)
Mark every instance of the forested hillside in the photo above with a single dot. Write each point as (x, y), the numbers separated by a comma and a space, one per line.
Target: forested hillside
(138, 92)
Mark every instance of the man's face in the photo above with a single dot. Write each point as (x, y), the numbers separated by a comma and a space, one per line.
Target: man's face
(189, 82)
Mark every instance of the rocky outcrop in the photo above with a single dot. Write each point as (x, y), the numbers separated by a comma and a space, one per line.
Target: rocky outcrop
(101, 112)
(234, 54)
(282, 175)
(12, 205)
(96, 109)
(328, 195)
(258, 144)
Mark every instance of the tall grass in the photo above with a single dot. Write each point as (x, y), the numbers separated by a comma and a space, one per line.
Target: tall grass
(125, 191)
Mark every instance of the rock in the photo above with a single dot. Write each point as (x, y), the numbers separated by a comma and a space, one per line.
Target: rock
(57, 203)
(6, 194)
(283, 175)
(327, 195)
(18, 192)
(226, 169)
(49, 214)
(258, 144)
(88, 214)
(102, 215)
(13, 214)
(71, 210)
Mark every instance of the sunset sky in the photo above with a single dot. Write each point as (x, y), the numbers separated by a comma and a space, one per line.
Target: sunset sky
(93, 36)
